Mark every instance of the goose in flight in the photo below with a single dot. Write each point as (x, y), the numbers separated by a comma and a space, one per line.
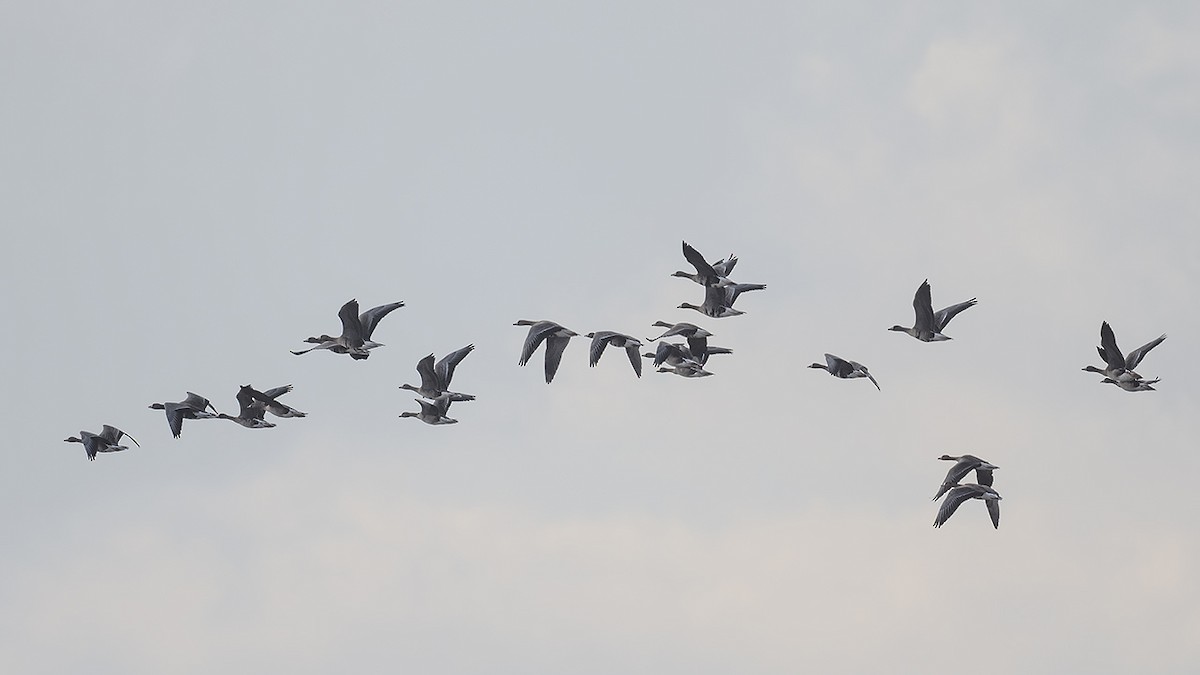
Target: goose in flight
(962, 493)
(963, 465)
(355, 339)
(268, 400)
(710, 274)
(250, 411)
(677, 354)
(718, 301)
(1133, 385)
(697, 337)
(929, 325)
(1117, 366)
(435, 378)
(706, 274)
(839, 367)
(604, 338)
(556, 338)
(686, 370)
(194, 407)
(432, 412)
(108, 440)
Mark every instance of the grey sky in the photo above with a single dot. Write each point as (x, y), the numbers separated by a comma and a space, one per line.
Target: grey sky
(189, 191)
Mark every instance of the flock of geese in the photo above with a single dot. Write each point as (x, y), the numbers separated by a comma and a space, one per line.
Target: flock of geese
(686, 356)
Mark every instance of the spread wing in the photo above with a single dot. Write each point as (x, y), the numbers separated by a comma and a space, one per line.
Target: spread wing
(993, 507)
(428, 376)
(953, 500)
(838, 366)
(371, 318)
(596, 350)
(705, 270)
(1109, 351)
(277, 391)
(1135, 357)
(635, 358)
(956, 473)
(445, 367)
(113, 435)
(555, 346)
(174, 418)
(943, 316)
(351, 329)
(197, 402)
(923, 306)
(537, 333)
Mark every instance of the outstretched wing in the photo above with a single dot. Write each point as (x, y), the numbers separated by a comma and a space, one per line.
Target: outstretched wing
(923, 306)
(1109, 351)
(371, 318)
(956, 473)
(956, 497)
(943, 316)
(277, 391)
(599, 342)
(113, 435)
(352, 331)
(635, 358)
(445, 367)
(1135, 357)
(197, 402)
(706, 271)
(537, 333)
(428, 377)
(993, 507)
(555, 346)
(838, 366)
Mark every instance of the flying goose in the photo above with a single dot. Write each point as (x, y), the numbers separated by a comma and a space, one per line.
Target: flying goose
(710, 274)
(1133, 385)
(556, 338)
(697, 337)
(432, 412)
(929, 324)
(718, 301)
(269, 401)
(962, 493)
(193, 407)
(706, 274)
(1118, 367)
(604, 338)
(435, 378)
(839, 367)
(963, 465)
(250, 411)
(106, 441)
(686, 370)
(355, 339)
(676, 354)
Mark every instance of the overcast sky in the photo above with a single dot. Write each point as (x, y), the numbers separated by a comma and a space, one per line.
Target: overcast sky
(190, 189)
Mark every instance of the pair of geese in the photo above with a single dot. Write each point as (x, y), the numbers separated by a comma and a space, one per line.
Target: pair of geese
(252, 408)
(1118, 368)
(927, 327)
(958, 494)
(434, 389)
